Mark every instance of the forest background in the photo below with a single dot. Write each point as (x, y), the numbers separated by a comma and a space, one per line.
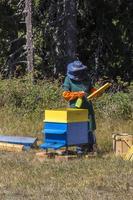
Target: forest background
(99, 33)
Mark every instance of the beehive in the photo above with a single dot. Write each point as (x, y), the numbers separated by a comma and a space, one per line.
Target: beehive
(65, 127)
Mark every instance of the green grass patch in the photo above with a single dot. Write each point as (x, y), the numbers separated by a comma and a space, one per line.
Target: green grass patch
(23, 176)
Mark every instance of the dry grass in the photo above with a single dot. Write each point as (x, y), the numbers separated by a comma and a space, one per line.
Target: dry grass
(23, 177)
(105, 129)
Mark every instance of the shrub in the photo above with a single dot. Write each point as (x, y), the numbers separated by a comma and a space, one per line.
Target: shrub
(24, 97)
(118, 105)
(22, 94)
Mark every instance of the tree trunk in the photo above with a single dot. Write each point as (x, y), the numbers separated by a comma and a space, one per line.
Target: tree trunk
(70, 30)
(29, 35)
(65, 34)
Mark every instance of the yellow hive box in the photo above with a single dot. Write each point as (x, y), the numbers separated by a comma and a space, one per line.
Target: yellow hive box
(66, 115)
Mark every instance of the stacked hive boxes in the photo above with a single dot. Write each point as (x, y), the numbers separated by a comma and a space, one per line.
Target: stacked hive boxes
(65, 127)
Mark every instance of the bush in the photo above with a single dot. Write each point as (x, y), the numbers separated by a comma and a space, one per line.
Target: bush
(22, 95)
(118, 105)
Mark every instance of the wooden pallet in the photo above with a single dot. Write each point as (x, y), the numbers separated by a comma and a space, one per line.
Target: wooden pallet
(61, 155)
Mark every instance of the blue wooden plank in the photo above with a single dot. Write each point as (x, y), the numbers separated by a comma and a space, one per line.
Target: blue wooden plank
(45, 145)
(52, 145)
(55, 137)
(54, 131)
(55, 141)
(18, 140)
(55, 126)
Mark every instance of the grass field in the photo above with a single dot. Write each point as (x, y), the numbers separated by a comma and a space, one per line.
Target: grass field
(23, 176)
